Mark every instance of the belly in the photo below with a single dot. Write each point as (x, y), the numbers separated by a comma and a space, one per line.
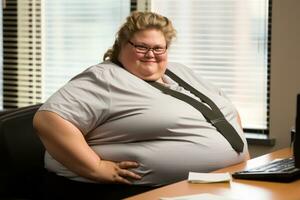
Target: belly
(164, 162)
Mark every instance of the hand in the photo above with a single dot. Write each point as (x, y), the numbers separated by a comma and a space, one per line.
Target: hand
(112, 172)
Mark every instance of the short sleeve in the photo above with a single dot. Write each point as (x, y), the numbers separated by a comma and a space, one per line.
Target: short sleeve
(84, 100)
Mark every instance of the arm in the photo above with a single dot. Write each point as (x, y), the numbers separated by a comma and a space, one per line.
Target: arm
(67, 145)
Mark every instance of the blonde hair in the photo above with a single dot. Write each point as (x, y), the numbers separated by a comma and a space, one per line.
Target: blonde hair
(136, 22)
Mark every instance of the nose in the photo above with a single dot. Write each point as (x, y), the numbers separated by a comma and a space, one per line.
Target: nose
(149, 53)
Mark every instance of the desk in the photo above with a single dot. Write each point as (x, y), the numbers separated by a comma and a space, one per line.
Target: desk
(238, 189)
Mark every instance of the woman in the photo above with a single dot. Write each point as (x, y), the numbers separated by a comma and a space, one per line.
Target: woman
(110, 125)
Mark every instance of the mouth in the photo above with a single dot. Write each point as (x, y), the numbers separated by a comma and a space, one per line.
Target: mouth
(148, 61)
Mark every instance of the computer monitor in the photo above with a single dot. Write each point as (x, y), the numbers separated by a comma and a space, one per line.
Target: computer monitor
(297, 135)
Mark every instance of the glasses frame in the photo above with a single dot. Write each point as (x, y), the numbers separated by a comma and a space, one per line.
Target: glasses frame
(146, 49)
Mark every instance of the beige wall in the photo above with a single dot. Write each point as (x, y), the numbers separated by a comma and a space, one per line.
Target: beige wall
(285, 72)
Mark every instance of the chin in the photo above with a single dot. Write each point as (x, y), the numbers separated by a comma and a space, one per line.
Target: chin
(151, 77)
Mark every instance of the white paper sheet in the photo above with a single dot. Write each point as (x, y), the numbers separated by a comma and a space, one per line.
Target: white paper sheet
(195, 177)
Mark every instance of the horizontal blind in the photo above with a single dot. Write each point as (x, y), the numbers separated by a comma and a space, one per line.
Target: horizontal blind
(225, 42)
(21, 57)
(133, 5)
(75, 35)
(1, 59)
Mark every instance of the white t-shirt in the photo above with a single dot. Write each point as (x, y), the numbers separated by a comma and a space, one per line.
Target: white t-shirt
(124, 118)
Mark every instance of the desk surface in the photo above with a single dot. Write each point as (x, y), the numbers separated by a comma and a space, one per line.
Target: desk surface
(237, 189)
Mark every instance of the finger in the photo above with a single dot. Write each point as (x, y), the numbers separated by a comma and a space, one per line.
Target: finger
(120, 179)
(127, 164)
(126, 173)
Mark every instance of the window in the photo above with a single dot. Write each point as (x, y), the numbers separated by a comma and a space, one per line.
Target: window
(75, 35)
(48, 42)
(226, 42)
(21, 53)
(1, 58)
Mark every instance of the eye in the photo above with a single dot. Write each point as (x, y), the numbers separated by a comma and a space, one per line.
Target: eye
(159, 49)
(141, 48)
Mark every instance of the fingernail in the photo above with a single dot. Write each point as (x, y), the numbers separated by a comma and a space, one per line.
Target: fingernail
(139, 177)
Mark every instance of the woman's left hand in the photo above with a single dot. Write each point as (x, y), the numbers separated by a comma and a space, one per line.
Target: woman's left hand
(112, 172)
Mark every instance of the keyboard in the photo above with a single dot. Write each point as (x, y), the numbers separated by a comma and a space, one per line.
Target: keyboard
(282, 170)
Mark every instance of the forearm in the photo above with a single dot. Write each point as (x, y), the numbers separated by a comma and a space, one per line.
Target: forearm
(67, 145)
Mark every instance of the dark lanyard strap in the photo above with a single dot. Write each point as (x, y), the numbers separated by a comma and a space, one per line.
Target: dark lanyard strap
(212, 114)
(201, 96)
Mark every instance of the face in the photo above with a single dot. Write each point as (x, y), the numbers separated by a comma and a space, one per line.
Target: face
(147, 66)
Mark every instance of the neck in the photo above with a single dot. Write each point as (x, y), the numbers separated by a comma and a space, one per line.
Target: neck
(160, 80)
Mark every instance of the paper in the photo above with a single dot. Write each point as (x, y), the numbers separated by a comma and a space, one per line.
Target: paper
(195, 177)
(204, 196)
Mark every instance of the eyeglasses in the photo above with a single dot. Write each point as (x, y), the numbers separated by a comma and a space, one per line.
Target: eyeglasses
(144, 49)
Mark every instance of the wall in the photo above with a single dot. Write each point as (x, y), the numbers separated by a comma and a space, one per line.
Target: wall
(285, 73)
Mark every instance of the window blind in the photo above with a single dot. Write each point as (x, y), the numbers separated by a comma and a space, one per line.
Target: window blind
(133, 5)
(45, 43)
(75, 35)
(1, 59)
(21, 55)
(225, 42)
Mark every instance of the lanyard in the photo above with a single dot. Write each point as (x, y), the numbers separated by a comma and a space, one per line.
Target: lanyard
(212, 113)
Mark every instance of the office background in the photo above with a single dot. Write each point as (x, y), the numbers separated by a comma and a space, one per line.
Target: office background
(285, 73)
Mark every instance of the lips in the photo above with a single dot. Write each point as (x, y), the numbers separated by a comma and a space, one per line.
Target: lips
(149, 61)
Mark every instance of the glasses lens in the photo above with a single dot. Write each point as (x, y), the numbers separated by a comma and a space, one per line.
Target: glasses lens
(159, 50)
(145, 49)
(141, 49)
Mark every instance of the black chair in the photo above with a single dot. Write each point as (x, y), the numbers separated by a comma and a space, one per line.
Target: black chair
(21, 154)
(22, 172)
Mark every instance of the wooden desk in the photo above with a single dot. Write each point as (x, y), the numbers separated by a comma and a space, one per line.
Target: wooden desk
(237, 189)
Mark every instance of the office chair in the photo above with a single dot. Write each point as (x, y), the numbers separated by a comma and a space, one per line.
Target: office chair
(21, 154)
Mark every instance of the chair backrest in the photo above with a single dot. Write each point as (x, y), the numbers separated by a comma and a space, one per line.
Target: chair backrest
(21, 151)
(21, 148)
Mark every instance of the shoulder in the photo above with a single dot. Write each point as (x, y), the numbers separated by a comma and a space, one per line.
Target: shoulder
(194, 78)
(101, 71)
(178, 67)
(184, 72)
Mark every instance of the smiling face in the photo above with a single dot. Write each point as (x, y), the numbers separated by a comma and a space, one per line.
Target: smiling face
(147, 66)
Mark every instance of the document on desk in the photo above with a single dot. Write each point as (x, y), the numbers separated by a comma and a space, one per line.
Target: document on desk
(195, 177)
(204, 196)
